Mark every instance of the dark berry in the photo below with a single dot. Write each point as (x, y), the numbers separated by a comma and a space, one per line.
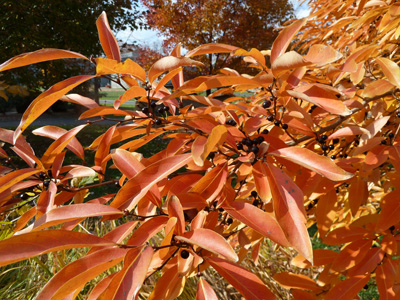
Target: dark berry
(285, 126)
(153, 104)
(50, 173)
(254, 194)
(42, 176)
(324, 147)
(314, 106)
(331, 147)
(255, 149)
(166, 108)
(24, 196)
(158, 121)
(211, 155)
(383, 142)
(271, 98)
(46, 183)
(333, 156)
(345, 156)
(265, 131)
(335, 141)
(266, 104)
(145, 110)
(270, 118)
(392, 228)
(398, 114)
(277, 122)
(247, 142)
(117, 184)
(310, 111)
(324, 137)
(260, 139)
(185, 254)
(231, 122)
(321, 140)
(391, 135)
(239, 146)
(229, 221)
(160, 110)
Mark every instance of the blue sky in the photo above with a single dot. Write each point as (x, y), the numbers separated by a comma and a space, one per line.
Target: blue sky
(151, 38)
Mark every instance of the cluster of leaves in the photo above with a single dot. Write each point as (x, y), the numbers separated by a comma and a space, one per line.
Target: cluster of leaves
(316, 143)
(234, 22)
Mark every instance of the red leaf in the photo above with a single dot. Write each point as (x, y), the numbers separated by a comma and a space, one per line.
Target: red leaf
(107, 38)
(175, 210)
(390, 212)
(205, 291)
(209, 240)
(38, 56)
(20, 247)
(247, 283)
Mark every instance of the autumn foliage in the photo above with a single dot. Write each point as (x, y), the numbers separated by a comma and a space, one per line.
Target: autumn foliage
(311, 142)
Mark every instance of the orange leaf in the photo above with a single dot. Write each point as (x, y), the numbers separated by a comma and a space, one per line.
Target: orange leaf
(296, 281)
(72, 212)
(390, 212)
(102, 111)
(55, 132)
(284, 38)
(81, 100)
(320, 54)
(209, 240)
(368, 264)
(313, 161)
(59, 145)
(130, 194)
(262, 185)
(147, 230)
(126, 284)
(288, 60)
(105, 66)
(79, 272)
(346, 234)
(347, 289)
(390, 69)
(38, 56)
(320, 95)
(351, 255)
(169, 63)
(20, 247)
(205, 291)
(175, 210)
(200, 151)
(107, 38)
(358, 194)
(385, 278)
(325, 212)
(47, 99)
(104, 147)
(127, 162)
(347, 131)
(14, 177)
(211, 48)
(247, 283)
(377, 88)
(259, 220)
(289, 209)
(212, 183)
(169, 286)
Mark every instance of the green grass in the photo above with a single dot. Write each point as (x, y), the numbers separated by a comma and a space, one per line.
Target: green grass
(111, 94)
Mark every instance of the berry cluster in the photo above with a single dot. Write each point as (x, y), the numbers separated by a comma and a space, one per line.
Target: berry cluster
(250, 144)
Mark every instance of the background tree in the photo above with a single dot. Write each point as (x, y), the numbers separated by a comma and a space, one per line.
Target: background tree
(246, 24)
(27, 26)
